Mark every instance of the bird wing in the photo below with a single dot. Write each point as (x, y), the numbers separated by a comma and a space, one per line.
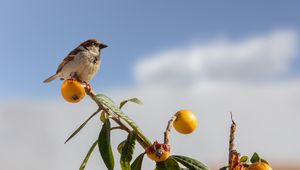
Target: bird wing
(64, 62)
(68, 58)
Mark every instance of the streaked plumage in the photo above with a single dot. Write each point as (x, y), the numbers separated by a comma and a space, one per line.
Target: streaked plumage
(82, 63)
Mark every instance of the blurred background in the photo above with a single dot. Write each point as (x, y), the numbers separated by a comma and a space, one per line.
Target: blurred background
(210, 57)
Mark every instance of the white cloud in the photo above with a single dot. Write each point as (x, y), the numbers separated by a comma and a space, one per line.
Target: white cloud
(226, 75)
(267, 117)
(257, 58)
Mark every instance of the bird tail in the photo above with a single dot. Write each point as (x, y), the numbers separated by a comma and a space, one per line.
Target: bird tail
(51, 78)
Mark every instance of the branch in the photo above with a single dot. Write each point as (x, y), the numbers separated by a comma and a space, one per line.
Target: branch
(232, 151)
(143, 141)
(168, 129)
(118, 127)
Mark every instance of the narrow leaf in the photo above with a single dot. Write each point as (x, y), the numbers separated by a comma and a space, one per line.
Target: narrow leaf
(127, 152)
(172, 164)
(87, 157)
(169, 164)
(82, 125)
(105, 146)
(102, 117)
(224, 168)
(244, 159)
(160, 166)
(102, 99)
(190, 163)
(121, 146)
(264, 161)
(133, 100)
(255, 158)
(137, 163)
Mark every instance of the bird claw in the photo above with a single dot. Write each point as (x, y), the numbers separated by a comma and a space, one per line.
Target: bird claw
(88, 88)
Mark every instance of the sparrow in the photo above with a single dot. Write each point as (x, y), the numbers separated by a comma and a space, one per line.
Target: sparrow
(82, 63)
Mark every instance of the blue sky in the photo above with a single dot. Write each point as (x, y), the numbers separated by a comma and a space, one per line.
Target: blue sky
(36, 35)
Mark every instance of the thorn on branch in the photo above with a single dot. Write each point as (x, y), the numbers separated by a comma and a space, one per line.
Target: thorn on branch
(232, 118)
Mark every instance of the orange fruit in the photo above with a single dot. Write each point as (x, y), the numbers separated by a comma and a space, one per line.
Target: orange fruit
(240, 167)
(158, 152)
(259, 166)
(186, 122)
(72, 91)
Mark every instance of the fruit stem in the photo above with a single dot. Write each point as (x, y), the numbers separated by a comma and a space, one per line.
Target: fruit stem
(168, 129)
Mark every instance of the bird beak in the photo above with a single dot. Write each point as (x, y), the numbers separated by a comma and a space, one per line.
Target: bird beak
(103, 46)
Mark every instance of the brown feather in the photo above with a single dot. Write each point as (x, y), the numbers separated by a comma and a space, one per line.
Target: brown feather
(90, 42)
(68, 58)
(74, 52)
(64, 62)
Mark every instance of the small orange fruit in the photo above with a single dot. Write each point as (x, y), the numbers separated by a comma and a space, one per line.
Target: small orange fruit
(158, 152)
(185, 122)
(72, 91)
(240, 167)
(259, 166)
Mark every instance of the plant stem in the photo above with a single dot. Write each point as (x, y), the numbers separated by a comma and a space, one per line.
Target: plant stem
(118, 127)
(128, 129)
(232, 151)
(127, 126)
(168, 129)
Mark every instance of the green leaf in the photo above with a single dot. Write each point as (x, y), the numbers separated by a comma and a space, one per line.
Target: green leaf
(105, 146)
(87, 157)
(82, 125)
(264, 161)
(121, 145)
(107, 102)
(160, 166)
(127, 152)
(244, 159)
(101, 99)
(255, 158)
(224, 168)
(134, 100)
(102, 117)
(137, 163)
(190, 163)
(169, 164)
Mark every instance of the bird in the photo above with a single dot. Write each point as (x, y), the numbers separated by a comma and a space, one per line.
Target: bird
(81, 64)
